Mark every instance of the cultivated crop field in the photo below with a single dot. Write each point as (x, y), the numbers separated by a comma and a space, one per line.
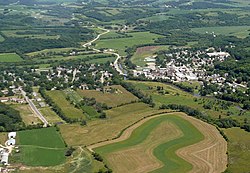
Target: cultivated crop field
(68, 109)
(144, 52)
(99, 130)
(41, 147)
(121, 44)
(118, 97)
(10, 57)
(165, 143)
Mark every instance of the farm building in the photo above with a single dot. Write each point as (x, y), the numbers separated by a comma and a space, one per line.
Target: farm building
(11, 142)
(4, 158)
(12, 135)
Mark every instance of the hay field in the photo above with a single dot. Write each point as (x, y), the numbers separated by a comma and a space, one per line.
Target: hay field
(119, 97)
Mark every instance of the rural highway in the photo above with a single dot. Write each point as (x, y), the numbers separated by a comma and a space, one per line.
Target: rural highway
(118, 57)
(34, 109)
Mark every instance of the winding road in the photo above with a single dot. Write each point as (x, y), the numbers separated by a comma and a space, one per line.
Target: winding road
(118, 57)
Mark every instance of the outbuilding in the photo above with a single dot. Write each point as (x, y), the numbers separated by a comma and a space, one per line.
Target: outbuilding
(11, 142)
(12, 135)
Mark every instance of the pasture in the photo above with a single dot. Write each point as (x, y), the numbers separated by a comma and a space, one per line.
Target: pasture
(121, 44)
(99, 130)
(152, 145)
(237, 31)
(59, 97)
(238, 150)
(41, 147)
(143, 52)
(114, 98)
(10, 57)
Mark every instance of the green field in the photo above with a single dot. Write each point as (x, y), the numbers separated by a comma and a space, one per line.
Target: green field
(14, 33)
(238, 31)
(98, 130)
(173, 95)
(165, 151)
(119, 96)
(121, 44)
(59, 97)
(41, 147)
(10, 57)
(1, 38)
(238, 150)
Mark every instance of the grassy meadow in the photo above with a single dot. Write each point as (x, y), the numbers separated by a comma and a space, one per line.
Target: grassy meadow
(10, 57)
(1, 38)
(163, 149)
(121, 44)
(238, 150)
(41, 147)
(173, 95)
(59, 97)
(26, 113)
(119, 97)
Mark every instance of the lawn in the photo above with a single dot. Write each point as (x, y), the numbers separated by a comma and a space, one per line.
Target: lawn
(10, 57)
(41, 147)
(121, 44)
(238, 150)
(119, 96)
(59, 97)
(238, 31)
(99, 130)
(164, 151)
(143, 52)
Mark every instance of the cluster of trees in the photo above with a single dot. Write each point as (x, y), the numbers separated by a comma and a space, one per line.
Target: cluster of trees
(144, 98)
(99, 107)
(10, 119)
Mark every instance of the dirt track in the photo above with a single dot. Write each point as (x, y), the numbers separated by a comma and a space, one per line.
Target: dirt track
(208, 156)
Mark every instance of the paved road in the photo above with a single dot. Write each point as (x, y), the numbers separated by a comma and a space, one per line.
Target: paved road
(118, 57)
(35, 110)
